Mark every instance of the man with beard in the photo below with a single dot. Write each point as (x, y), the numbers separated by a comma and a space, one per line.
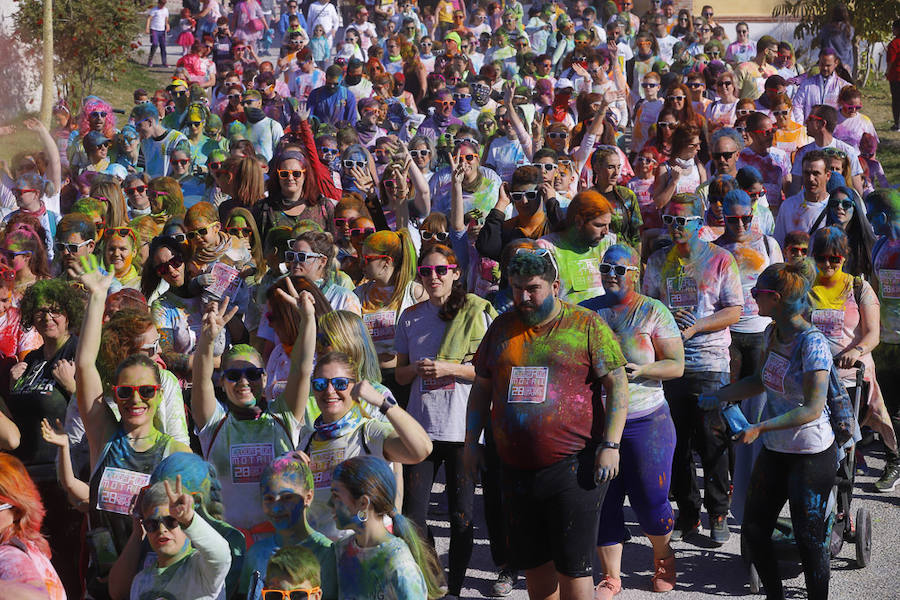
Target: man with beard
(157, 141)
(580, 246)
(264, 132)
(333, 102)
(538, 377)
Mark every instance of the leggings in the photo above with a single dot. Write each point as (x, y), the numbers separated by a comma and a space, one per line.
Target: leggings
(895, 101)
(805, 481)
(157, 39)
(418, 480)
(645, 469)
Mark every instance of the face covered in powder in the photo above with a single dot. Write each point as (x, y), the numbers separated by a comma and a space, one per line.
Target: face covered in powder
(345, 508)
(534, 297)
(617, 285)
(285, 496)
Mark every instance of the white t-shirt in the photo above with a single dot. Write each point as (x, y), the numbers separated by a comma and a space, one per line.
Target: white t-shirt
(852, 154)
(158, 18)
(752, 258)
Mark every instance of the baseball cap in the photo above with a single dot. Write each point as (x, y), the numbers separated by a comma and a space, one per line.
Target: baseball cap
(176, 84)
(94, 139)
(563, 83)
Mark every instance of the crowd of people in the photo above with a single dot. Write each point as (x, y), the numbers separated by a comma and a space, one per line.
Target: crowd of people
(558, 253)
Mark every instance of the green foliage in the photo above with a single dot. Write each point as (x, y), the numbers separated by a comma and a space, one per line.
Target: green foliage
(871, 19)
(92, 38)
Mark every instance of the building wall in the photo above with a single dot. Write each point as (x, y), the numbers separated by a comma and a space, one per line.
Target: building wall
(727, 9)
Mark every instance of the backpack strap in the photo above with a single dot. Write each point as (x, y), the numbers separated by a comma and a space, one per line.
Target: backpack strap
(215, 434)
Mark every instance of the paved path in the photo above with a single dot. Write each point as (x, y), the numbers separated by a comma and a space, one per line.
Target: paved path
(708, 572)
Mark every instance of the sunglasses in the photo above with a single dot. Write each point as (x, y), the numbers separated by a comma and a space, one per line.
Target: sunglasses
(743, 112)
(757, 292)
(723, 155)
(440, 236)
(468, 157)
(724, 83)
(557, 135)
(676, 98)
(419, 153)
(373, 257)
(248, 373)
(349, 164)
(545, 166)
(458, 96)
(745, 219)
(694, 85)
(619, 270)
(120, 231)
(138, 189)
(445, 103)
(519, 196)
(832, 259)
(301, 257)
(288, 173)
(173, 263)
(14, 253)
(234, 96)
(320, 384)
(180, 161)
(359, 231)
(125, 392)
(645, 160)
(329, 151)
(780, 113)
(295, 594)
(797, 251)
(20, 191)
(667, 124)
(425, 271)
(71, 248)
(153, 525)
(846, 204)
(240, 232)
(195, 123)
(98, 114)
(200, 231)
(853, 107)
(679, 221)
(341, 222)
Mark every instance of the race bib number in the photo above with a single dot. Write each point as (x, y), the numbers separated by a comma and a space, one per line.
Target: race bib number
(446, 383)
(226, 281)
(682, 292)
(890, 283)
(774, 371)
(322, 462)
(586, 275)
(118, 487)
(381, 325)
(829, 321)
(528, 385)
(249, 460)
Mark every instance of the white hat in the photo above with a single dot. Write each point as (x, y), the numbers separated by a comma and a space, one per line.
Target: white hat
(563, 83)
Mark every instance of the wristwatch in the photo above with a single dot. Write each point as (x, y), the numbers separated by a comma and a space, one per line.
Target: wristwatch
(859, 349)
(389, 403)
(610, 445)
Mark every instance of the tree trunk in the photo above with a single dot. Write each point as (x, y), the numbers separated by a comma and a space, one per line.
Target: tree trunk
(47, 80)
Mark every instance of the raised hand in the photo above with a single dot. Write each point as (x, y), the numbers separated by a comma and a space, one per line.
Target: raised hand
(54, 434)
(363, 178)
(34, 125)
(181, 504)
(216, 317)
(87, 272)
(303, 112)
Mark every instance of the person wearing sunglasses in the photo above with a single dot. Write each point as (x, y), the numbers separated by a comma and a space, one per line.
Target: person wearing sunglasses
(852, 123)
(191, 555)
(96, 149)
(438, 121)
(800, 211)
(25, 255)
(192, 182)
(75, 238)
(789, 135)
(646, 111)
(207, 240)
(157, 141)
(135, 188)
(479, 185)
(773, 164)
(753, 72)
(435, 344)
(651, 343)
(32, 193)
(262, 130)
(683, 172)
(579, 247)
(701, 285)
(95, 115)
(297, 563)
(195, 122)
(241, 227)
(721, 112)
(28, 572)
(847, 212)
(313, 258)
(133, 443)
(799, 454)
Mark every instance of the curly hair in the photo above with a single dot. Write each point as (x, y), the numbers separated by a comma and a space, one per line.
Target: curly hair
(52, 293)
(118, 338)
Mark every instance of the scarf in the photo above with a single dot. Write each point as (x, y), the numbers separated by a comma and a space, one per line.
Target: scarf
(343, 426)
(833, 296)
(37, 213)
(205, 256)
(246, 413)
(465, 332)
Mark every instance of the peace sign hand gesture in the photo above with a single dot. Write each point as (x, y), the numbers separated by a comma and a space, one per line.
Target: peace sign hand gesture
(303, 302)
(217, 315)
(181, 504)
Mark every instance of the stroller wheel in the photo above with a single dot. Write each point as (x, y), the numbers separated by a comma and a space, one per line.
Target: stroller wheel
(863, 537)
(837, 537)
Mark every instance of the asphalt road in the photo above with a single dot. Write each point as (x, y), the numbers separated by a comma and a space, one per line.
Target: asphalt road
(708, 572)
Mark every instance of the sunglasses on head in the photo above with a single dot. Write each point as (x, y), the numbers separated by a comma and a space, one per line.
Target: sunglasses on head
(425, 271)
(294, 594)
(200, 231)
(349, 164)
(126, 392)
(288, 173)
(173, 263)
(320, 384)
(832, 259)
(248, 373)
(358, 231)
(619, 270)
(440, 236)
(679, 221)
(153, 525)
(745, 219)
(240, 232)
(301, 257)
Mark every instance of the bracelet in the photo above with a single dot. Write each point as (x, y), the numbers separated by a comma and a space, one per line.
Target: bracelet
(609, 445)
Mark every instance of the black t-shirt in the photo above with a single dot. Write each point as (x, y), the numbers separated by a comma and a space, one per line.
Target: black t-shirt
(37, 395)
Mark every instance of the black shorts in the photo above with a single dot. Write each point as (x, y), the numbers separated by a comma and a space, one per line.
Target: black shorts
(553, 514)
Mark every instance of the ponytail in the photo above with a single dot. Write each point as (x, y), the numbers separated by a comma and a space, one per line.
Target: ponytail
(422, 553)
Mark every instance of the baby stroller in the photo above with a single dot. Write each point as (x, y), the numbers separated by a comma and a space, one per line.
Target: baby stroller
(840, 525)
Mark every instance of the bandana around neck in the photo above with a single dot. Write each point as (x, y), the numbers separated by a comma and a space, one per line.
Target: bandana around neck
(341, 427)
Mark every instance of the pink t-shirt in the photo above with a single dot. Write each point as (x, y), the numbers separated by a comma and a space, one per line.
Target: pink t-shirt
(31, 568)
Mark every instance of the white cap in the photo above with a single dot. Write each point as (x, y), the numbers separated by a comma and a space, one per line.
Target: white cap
(563, 83)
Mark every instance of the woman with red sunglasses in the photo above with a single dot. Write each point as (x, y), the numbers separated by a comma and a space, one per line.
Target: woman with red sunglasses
(123, 453)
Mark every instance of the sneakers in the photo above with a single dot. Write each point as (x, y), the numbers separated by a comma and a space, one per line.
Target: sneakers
(718, 529)
(506, 579)
(663, 579)
(889, 477)
(684, 528)
(607, 588)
